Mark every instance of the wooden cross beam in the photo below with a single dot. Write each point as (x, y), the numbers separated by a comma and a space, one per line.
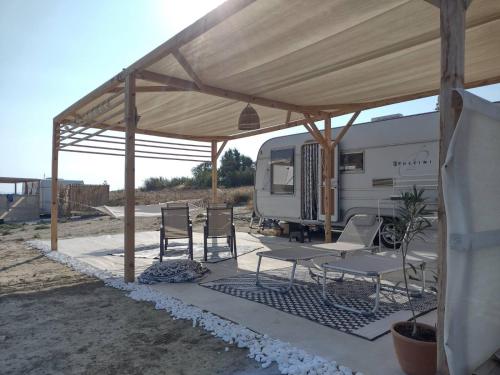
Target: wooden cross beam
(221, 148)
(344, 130)
(187, 68)
(96, 124)
(227, 94)
(314, 131)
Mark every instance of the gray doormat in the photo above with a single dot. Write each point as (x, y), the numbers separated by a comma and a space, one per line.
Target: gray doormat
(305, 300)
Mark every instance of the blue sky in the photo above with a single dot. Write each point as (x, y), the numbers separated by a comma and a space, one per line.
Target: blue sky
(53, 52)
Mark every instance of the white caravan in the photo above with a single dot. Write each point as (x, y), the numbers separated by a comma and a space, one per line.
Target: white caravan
(374, 162)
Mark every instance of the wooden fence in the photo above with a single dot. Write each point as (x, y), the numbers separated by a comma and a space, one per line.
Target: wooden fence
(81, 198)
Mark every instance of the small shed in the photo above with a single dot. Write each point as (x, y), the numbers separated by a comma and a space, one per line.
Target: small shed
(24, 203)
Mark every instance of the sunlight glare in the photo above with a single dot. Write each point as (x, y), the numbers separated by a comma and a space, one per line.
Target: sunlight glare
(180, 14)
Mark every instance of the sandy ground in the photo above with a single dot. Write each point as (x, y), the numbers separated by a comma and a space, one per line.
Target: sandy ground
(54, 320)
(96, 225)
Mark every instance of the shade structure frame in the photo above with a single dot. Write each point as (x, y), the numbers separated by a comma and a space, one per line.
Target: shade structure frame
(478, 63)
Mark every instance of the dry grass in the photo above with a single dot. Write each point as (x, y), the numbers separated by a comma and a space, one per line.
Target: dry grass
(235, 196)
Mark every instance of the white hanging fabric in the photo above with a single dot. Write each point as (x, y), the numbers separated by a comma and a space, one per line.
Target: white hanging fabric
(471, 186)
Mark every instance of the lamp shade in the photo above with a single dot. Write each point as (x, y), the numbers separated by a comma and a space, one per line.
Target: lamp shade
(249, 119)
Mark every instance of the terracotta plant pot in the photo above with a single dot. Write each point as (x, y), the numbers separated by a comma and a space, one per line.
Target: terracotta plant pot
(414, 356)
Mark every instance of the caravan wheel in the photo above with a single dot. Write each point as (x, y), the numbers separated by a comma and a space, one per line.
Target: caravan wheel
(387, 235)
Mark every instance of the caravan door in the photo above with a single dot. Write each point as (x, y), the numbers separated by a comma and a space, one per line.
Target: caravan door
(334, 192)
(310, 181)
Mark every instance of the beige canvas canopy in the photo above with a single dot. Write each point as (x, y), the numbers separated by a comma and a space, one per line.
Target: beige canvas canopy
(295, 62)
(290, 58)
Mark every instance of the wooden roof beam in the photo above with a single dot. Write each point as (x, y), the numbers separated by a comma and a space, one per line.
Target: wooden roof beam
(150, 89)
(95, 124)
(84, 138)
(209, 21)
(119, 127)
(103, 89)
(227, 94)
(203, 147)
(187, 68)
(141, 151)
(269, 129)
(139, 144)
(349, 108)
(100, 109)
(137, 156)
(193, 31)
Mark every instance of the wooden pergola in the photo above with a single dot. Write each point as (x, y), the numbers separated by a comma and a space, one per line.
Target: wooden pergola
(17, 180)
(296, 63)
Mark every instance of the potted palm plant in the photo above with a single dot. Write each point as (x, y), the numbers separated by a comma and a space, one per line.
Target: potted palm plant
(414, 342)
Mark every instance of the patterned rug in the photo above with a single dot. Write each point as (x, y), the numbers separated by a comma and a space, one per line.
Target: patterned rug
(218, 250)
(305, 300)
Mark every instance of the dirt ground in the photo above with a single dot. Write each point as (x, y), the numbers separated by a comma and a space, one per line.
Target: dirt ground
(96, 225)
(54, 320)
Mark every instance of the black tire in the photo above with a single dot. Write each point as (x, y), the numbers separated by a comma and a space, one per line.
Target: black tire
(387, 234)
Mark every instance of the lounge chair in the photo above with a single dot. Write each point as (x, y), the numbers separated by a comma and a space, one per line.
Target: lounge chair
(175, 224)
(219, 224)
(357, 236)
(373, 266)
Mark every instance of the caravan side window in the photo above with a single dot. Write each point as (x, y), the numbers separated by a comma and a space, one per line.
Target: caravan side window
(282, 171)
(352, 162)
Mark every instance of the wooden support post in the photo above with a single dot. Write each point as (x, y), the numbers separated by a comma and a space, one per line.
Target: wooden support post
(131, 123)
(452, 77)
(214, 171)
(328, 179)
(54, 186)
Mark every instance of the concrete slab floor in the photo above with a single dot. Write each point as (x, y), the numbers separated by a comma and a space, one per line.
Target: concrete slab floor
(369, 357)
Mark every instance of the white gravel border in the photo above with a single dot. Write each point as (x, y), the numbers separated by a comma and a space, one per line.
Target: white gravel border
(262, 348)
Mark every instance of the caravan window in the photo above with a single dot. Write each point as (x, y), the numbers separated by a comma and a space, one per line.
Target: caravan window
(282, 171)
(352, 162)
